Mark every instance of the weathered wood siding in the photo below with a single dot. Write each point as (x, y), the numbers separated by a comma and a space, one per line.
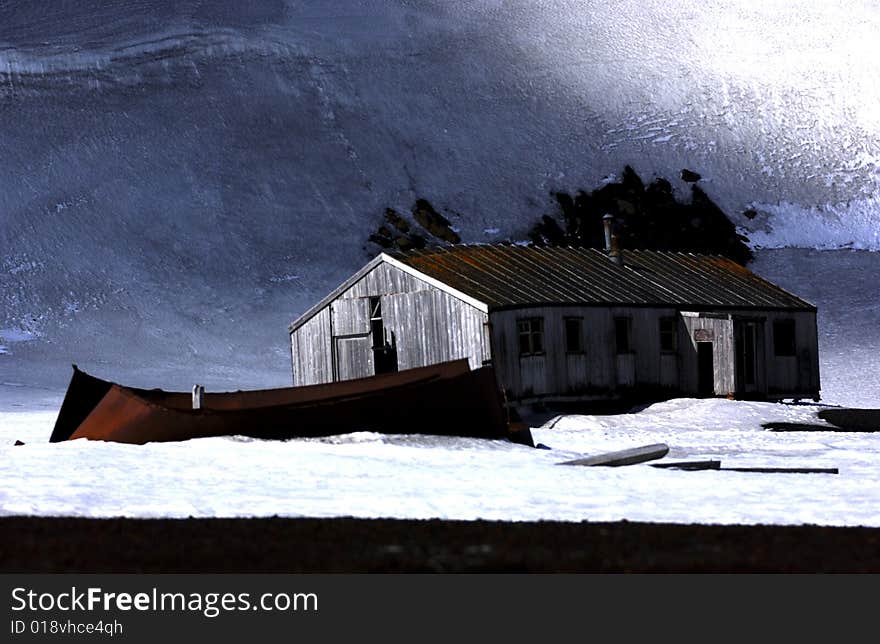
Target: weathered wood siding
(798, 375)
(598, 369)
(353, 356)
(777, 376)
(428, 326)
(310, 351)
(718, 331)
(384, 280)
(350, 317)
(670, 368)
(431, 326)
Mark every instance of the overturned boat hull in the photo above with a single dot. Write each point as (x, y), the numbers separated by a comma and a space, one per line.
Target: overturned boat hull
(445, 399)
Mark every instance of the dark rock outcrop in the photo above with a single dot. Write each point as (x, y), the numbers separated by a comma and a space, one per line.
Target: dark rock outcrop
(433, 222)
(646, 217)
(690, 176)
(398, 233)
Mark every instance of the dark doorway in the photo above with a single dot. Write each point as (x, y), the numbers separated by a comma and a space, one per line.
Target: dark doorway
(705, 369)
(384, 343)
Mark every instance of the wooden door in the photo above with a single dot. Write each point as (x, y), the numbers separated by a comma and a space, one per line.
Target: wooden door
(352, 348)
(354, 357)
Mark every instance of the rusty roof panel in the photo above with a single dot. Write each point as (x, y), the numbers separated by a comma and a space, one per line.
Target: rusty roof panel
(509, 276)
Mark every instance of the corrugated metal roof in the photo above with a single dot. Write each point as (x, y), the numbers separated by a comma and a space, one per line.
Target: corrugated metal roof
(510, 276)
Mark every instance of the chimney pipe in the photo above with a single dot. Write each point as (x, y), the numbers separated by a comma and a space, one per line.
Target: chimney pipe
(612, 243)
(198, 396)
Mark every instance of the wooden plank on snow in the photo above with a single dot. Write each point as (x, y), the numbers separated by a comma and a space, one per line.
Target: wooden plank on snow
(689, 466)
(623, 457)
(783, 470)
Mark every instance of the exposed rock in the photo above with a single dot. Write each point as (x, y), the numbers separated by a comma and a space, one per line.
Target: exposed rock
(382, 237)
(401, 236)
(393, 218)
(410, 242)
(625, 207)
(18, 443)
(632, 181)
(433, 222)
(548, 233)
(751, 213)
(690, 176)
(645, 217)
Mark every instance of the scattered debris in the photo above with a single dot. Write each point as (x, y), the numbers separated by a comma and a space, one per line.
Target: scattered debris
(783, 470)
(689, 466)
(637, 455)
(623, 457)
(519, 432)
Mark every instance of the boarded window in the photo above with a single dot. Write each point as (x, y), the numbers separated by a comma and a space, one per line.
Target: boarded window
(623, 335)
(574, 335)
(783, 338)
(668, 335)
(531, 336)
(350, 316)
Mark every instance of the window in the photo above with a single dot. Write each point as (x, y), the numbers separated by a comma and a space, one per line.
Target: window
(623, 334)
(668, 335)
(574, 335)
(783, 338)
(531, 336)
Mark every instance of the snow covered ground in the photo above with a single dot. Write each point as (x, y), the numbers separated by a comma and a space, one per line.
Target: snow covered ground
(370, 475)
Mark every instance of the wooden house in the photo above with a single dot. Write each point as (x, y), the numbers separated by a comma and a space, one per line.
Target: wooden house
(566, 324)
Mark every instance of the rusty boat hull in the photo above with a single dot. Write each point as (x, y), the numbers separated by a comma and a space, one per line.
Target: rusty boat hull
(447, 399)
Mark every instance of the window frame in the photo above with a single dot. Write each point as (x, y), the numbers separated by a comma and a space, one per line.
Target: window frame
(626, 320)
(535, 330)
(671, 333)
(579, 320)
(789, 348)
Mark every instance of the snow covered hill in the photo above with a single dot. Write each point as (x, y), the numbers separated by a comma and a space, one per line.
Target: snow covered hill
(178, 180)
